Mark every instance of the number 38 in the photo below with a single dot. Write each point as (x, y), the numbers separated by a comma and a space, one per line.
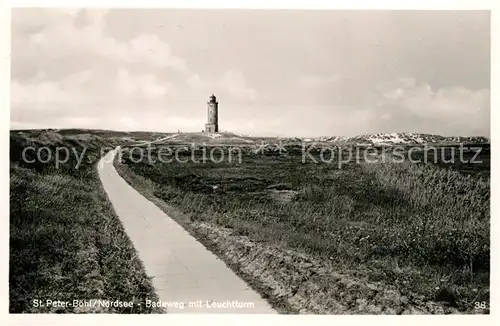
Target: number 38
(480, 305)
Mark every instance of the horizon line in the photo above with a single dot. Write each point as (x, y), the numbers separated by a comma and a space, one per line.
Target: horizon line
(241, 134)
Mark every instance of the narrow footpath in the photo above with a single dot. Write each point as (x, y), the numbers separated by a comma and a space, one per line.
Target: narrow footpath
(186, 276)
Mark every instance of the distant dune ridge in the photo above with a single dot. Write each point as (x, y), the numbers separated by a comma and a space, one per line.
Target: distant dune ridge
(400, 138)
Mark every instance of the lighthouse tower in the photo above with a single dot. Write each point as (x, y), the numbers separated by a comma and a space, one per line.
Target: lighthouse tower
(212, 124)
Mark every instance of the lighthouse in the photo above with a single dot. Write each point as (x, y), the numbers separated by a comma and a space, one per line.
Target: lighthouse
(212, 124)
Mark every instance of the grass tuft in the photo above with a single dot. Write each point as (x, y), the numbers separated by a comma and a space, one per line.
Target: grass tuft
(66, 243)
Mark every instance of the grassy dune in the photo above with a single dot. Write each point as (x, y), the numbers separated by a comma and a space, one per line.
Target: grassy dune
(420, 230)
(66, 242)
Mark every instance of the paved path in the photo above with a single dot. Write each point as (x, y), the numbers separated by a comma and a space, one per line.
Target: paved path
(183, 270)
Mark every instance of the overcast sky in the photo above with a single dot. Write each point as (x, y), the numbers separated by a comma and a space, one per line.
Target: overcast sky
(295, 73)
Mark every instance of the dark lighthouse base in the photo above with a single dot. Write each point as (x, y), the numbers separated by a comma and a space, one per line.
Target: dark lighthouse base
(211, 128)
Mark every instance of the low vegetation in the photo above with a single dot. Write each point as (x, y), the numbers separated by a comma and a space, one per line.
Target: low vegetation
(311, 237)
(420, 230)
(66, 243)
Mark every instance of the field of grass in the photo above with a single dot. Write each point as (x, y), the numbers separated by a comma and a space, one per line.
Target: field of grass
(66, 243)
(476, 159)
(420, 229)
